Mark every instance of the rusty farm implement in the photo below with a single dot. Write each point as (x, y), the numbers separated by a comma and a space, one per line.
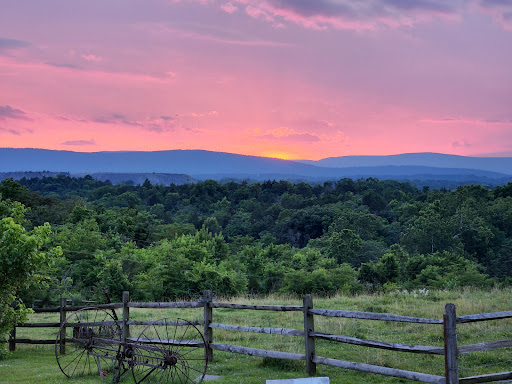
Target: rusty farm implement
(91, 342)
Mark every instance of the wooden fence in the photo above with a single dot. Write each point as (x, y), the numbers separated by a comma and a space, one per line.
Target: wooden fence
(451, 349)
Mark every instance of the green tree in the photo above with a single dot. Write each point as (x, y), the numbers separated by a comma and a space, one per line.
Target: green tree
(344, 246)
(114, 279)
(367, 225)
(376, 274)
(445, 270)
(22, 262)
(388, 268)
(431, 231)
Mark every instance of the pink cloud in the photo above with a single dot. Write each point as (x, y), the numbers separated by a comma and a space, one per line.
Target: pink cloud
(461, 143)
(7, 112)
(295, 137)
(79, 142)
(102, 75)
(500, 10)
(177, 121)
(11, 131)
(117, 119)
(159, 29)
(320, 126)
(229, 8)
(257, 13)
(345, 14)
(92, 58)
(466, 120)
(159, 124)
(366, 14)
(8, 45)
(285, 134)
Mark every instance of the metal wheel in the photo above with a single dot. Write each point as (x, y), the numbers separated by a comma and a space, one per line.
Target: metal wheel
(88, 343)
(169, 350)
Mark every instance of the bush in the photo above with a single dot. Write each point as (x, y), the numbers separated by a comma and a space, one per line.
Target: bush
(21, 262)
(321, 281)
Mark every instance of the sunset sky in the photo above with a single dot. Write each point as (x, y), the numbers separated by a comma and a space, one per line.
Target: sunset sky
(296, 79)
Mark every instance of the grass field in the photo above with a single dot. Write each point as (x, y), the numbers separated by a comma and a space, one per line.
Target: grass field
(36, 364)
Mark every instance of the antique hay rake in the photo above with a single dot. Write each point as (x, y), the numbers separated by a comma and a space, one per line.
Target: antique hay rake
(168, 350)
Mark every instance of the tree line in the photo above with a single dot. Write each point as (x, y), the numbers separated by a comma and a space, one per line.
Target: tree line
(73, 236)
(167, 242)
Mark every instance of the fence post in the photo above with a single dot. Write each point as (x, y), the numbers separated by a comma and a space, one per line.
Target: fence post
(12, 339)
(208, 318)
(309, 326)
(63, 330)
(451, 365)
(126, 316)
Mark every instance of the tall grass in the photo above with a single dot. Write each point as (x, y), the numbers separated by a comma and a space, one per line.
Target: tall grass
(35, 364)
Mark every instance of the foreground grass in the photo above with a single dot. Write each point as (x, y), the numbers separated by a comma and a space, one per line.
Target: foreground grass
(36, 364)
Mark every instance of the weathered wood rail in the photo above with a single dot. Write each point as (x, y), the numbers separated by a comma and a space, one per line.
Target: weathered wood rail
(451, 350)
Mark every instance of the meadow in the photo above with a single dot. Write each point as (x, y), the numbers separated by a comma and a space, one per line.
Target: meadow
(36, 363)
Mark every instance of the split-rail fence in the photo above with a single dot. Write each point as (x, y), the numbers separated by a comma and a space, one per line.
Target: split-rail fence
(451, 349)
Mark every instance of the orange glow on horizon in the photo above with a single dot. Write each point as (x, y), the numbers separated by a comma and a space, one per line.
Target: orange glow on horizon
(279, 155)
(235, 83)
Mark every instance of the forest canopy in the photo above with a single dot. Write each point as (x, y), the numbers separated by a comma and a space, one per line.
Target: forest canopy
(167, 242)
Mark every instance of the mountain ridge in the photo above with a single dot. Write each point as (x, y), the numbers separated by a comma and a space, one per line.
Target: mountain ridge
(202, 164)
(432, 159)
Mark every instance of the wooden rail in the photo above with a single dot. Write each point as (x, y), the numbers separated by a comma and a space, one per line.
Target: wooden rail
(380, 344)
(416, 376)
(484, 317)
(489, 346)
(486, 378)
(169, 323)
(73, 308)
(186, 343)
(270, 331)
(39, 325)
(258, 307)
(164, 305)
(374, 316)
(451, 349)
(32, 341)
(257, 352)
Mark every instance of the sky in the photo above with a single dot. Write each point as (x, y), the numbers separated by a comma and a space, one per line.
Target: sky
(294, 79)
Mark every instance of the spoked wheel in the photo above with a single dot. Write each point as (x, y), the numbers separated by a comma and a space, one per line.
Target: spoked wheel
(169, 350)
(91, 338)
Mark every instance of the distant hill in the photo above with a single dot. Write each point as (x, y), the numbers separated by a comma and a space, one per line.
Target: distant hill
(120, 166)
(385, 172)
(30, 175)
(140, 178)
(177, 161)
(438, 160)
(114, 178)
